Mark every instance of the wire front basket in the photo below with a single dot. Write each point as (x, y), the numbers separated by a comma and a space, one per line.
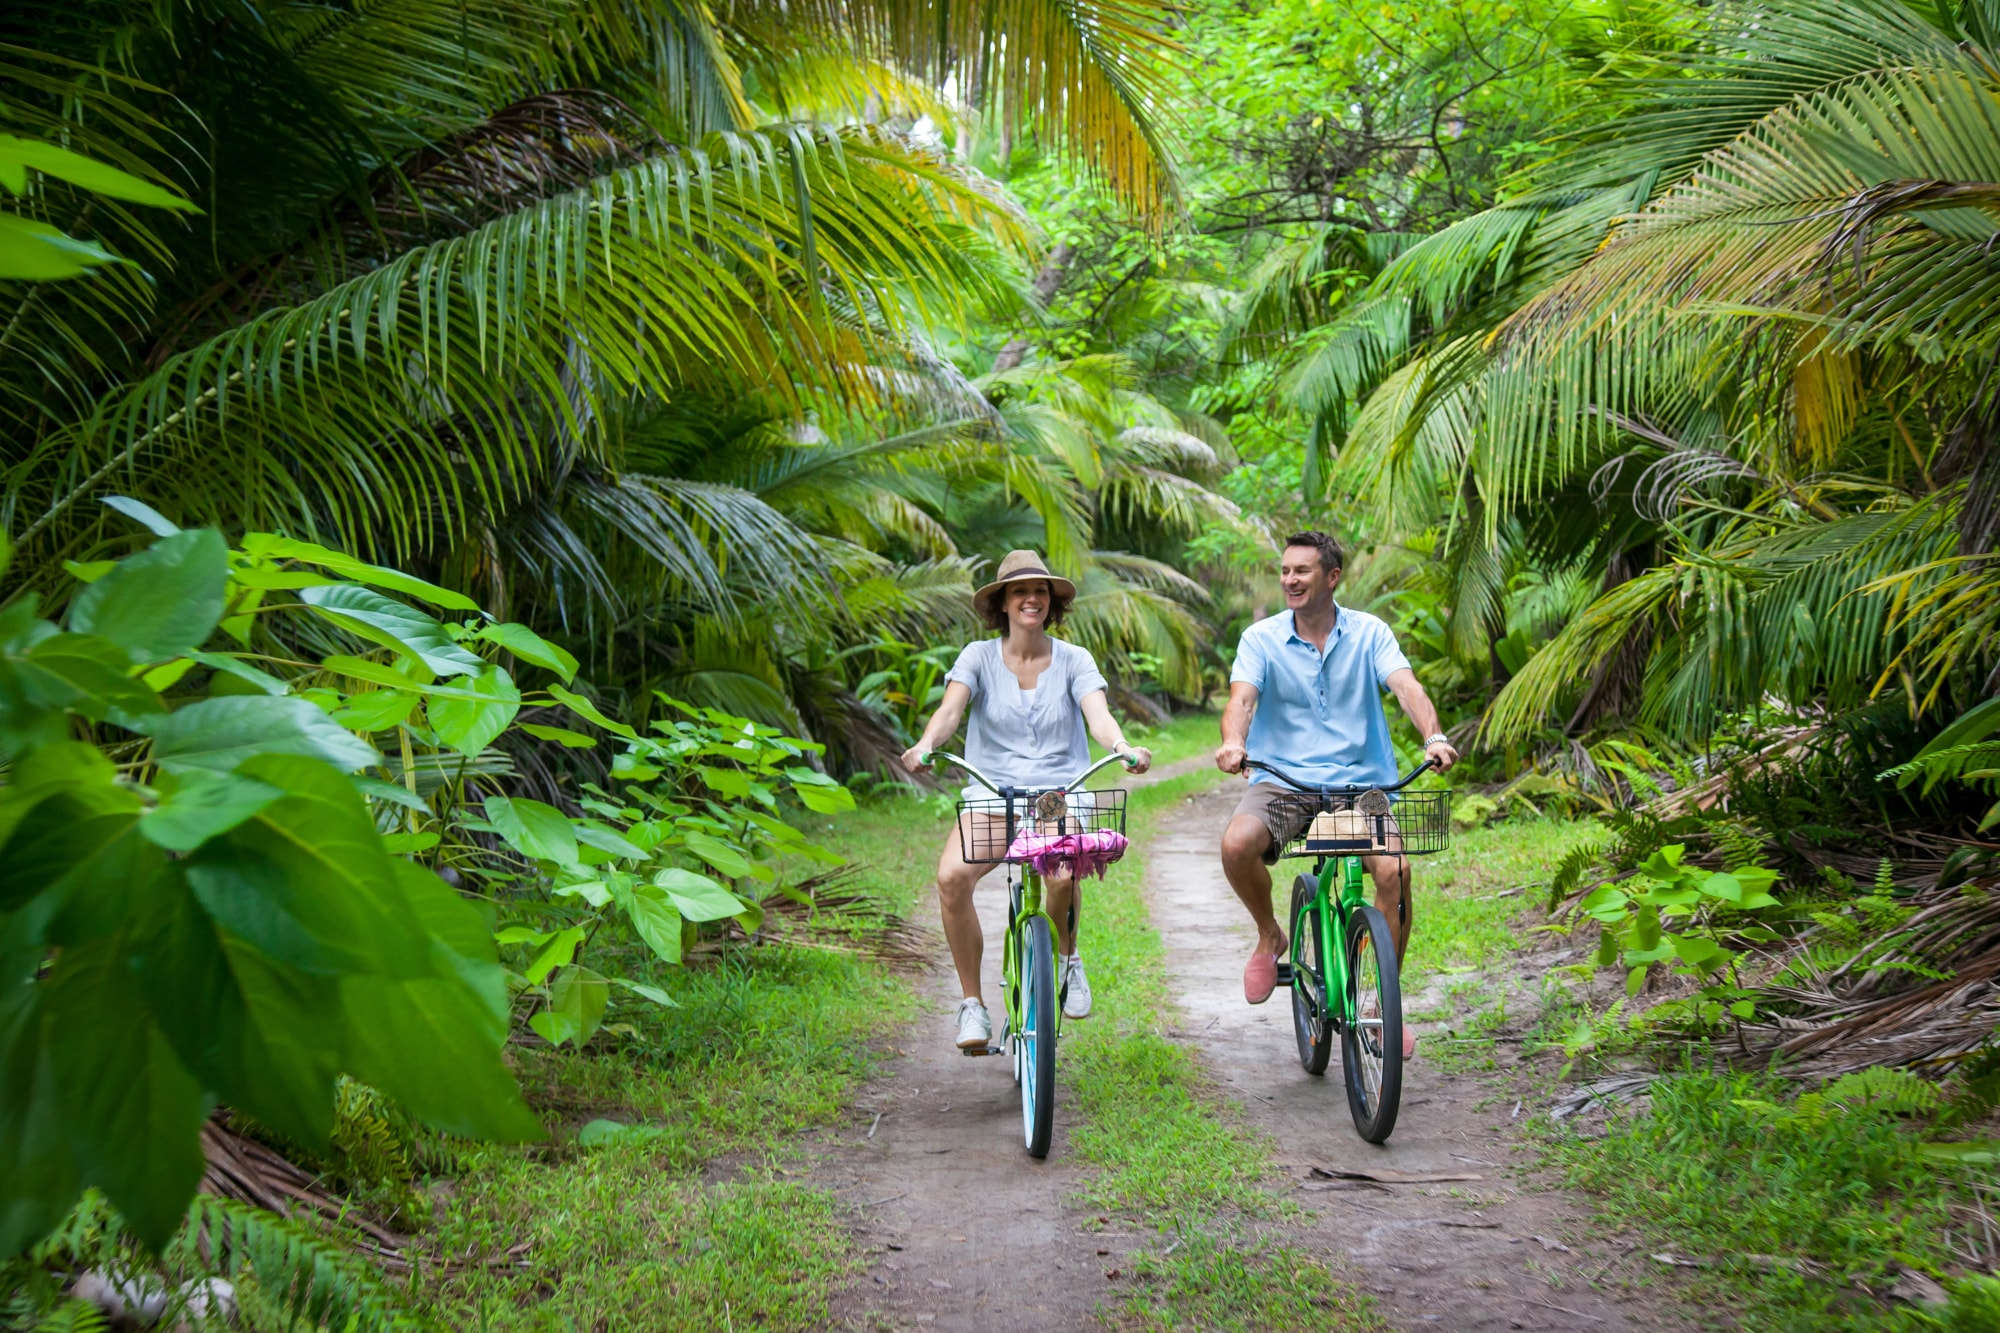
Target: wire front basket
(1367, 823)
(987, 829)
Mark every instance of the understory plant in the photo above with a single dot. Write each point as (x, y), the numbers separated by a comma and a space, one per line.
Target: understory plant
(1677, 915)
(241, 786)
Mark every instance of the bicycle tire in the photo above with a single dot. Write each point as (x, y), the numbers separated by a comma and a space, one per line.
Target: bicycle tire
(1038, 1037)
(1312, 1020)
(1371, 1049)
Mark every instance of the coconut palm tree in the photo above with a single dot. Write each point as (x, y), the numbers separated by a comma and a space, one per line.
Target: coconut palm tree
(1736, 349)
(444, 252)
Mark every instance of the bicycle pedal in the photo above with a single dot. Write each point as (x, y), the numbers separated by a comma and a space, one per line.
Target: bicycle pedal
(1284, 974)
(983, 1050)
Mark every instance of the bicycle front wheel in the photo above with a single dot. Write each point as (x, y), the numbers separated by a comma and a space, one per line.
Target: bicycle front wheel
(1312, 1022)
(1037, 1044)
(1371, 1047)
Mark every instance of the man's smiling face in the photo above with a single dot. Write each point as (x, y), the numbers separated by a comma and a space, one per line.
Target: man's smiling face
(1301, 578)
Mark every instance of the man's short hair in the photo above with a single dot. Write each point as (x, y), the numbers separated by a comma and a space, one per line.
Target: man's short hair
(1331, 557)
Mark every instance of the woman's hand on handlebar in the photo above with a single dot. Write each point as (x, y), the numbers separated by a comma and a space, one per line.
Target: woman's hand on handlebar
(1229, 757)
(1139, 756)
(914, 758)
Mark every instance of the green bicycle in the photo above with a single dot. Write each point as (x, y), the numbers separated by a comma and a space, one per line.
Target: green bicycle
(1343, 972)
(1027, 828)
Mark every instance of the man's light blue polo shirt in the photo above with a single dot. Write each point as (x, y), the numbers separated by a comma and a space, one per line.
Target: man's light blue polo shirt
(1319, 715)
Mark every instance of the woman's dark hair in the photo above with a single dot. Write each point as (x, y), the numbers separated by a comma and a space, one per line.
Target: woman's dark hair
(994, 613)
(1331, 557)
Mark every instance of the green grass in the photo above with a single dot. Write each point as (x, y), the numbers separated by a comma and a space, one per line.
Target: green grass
(1468, 917)
(766, 1045)
(1794, 1210)
(1164, 1153)
(1186, 735)
(1208, 1283)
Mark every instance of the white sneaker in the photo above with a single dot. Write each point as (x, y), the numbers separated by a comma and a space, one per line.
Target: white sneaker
(975, 1029)
(1075, 987)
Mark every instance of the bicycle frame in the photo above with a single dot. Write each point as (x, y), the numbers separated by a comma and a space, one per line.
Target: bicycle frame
(1332, 910)
(1024, 893)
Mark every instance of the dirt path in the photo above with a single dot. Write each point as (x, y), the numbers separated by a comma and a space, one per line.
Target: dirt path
(950, 1208)
(1473, 1254)
(951, 1211)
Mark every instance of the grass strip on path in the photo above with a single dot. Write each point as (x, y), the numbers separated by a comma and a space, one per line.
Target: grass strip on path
(1167, 1154)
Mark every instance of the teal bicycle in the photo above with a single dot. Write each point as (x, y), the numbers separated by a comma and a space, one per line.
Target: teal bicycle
(1343, 972)
(1024, 828)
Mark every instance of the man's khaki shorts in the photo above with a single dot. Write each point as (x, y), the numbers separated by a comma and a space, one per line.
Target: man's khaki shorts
(1283, 813)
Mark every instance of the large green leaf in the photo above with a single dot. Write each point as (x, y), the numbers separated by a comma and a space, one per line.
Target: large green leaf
(79, 672)
(38, 1173)
(529, 646)
(577, 1002)
(80, 868)
(161, 602)
(37, 252)
(133, 1111)
(469, 726)
(264, 545)
(392, 624)
(729, 860)
(653, 916)
(697, 897)
(202, 803)
(533, 829)
(431, 1045)
(87, 173)
(220, 734)
(307, 880)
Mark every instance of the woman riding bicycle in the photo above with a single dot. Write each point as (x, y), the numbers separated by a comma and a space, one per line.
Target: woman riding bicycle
(1031, 698)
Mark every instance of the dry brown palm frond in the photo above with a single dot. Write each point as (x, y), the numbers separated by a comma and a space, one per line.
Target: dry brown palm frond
(1925, 996)
(827, 911)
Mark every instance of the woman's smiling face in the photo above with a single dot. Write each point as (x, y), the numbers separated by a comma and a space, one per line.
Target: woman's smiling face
(1027, 603)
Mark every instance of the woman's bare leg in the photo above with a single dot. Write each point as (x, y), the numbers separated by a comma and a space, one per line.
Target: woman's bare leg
(1057, 894)
(956, 880)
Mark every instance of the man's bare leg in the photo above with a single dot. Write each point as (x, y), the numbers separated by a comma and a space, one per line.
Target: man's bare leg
(1243, 844)
(1392, 897)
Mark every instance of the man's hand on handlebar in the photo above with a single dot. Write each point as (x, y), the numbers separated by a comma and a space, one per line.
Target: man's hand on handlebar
(1141, 757)
(1441, 754)
(914, 758)
(1229, 758)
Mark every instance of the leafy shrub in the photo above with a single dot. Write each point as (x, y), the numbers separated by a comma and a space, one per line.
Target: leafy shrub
(225, 766)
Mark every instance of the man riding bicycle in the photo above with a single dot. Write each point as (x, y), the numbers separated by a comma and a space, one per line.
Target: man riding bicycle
(1306, 695)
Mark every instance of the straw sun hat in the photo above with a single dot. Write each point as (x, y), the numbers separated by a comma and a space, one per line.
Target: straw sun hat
(1020, 566)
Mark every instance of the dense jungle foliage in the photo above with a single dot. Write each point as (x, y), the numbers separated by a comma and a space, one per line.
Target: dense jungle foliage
(546, 446)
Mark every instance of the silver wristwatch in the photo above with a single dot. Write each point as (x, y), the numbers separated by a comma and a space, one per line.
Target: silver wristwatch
(1439, 739)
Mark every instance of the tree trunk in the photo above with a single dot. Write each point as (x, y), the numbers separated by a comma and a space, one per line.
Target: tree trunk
(1047, 283)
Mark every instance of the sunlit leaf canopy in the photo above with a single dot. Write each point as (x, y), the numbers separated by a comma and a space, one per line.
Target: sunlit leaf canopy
(496, 295)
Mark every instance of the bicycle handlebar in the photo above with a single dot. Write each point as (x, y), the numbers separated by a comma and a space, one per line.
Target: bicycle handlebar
(987, 782)
(1297, 785)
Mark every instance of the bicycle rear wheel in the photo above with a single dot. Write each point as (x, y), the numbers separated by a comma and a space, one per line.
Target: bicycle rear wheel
(1312, 1022)
(1037, 1043)
(1371, 1047)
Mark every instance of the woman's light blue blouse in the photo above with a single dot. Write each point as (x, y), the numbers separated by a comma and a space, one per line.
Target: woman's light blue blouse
(1025, 738)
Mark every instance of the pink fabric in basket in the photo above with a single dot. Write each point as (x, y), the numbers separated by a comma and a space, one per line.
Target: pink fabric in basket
(1056, 853)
